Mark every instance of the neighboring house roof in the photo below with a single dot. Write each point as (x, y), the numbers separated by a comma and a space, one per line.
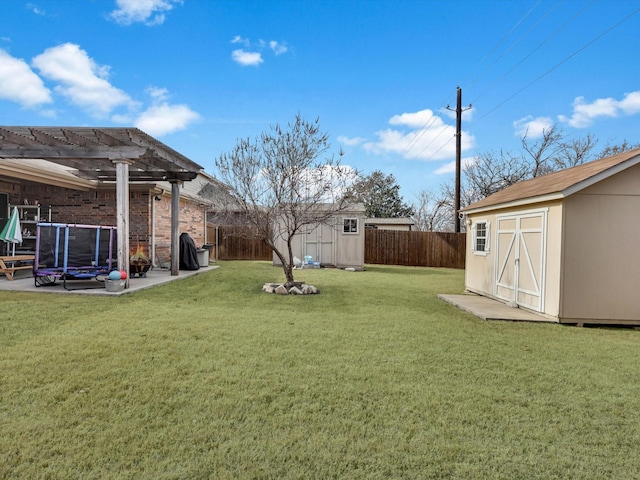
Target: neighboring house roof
(204, 189)
(389, 221)
(558, 184)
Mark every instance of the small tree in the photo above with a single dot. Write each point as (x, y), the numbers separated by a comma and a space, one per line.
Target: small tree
(280, 184)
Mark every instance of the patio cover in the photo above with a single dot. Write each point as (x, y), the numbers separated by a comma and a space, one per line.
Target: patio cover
(123, 155)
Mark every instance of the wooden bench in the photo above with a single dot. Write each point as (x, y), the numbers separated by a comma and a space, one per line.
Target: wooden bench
(10, 263)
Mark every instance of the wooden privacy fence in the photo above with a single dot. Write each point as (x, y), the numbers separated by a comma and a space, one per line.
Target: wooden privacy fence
(418, 249)
(387, 247)
(236, 243)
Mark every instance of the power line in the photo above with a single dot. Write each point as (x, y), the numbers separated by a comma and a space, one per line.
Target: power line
(585, 46)
(538, 47)
(473, 82)
(422, 131)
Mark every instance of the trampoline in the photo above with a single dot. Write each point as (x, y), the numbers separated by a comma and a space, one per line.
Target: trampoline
(69, 253)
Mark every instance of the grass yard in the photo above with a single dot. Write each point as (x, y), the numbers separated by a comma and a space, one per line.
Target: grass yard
(209, 378)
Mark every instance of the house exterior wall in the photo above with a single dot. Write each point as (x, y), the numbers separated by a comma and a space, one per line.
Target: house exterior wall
(601, 259)
(402, 228)
(392, 224)
(98, 207)
(481, 270)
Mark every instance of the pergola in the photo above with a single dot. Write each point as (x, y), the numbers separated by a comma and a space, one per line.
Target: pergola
(120, 155)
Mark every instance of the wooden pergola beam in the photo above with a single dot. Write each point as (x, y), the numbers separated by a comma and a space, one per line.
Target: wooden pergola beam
(53, 153)
(107, 155)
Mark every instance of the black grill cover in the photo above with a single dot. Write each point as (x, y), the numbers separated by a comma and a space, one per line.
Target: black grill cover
(188, 253)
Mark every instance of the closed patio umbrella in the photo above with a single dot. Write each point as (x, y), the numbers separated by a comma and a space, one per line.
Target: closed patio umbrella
(11, 233)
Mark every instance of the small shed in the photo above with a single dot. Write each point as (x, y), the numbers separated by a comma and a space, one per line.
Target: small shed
(564, 245)
(337, 243)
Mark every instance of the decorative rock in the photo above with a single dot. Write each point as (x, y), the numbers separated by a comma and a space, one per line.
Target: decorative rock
(309, 290)
(349, 269)
(298, 289)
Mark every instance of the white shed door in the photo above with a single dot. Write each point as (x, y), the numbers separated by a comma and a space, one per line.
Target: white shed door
(319, 244)
(520, 243)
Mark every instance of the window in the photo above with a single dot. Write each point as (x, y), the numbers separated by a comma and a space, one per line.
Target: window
(481, 238)
(350, 225)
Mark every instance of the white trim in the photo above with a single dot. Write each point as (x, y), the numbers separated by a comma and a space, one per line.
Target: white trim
(516, 203)
(487, 237)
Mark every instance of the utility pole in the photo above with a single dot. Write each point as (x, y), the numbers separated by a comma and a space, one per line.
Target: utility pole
(458, 111)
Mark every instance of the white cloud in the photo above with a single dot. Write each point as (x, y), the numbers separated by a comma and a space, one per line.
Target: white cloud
(350, 141)
(239, 39)
(34, 8)
(81, 80)
(149, 12)
(532, 127)
(426, 137)
(446, 168)
(251, 54)
(451, 166)
(630, 104)
(278, 48)
(246, 58)
(18, 83)
(163, 118)
(584, 114)
(157, 93)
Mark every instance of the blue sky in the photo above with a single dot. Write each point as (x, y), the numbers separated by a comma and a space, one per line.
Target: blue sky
(379, 74)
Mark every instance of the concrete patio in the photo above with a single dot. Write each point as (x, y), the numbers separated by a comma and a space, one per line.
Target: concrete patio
(489, 309)
(24, 282)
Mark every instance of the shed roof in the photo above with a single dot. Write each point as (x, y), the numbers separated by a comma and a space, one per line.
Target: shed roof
(558, 184)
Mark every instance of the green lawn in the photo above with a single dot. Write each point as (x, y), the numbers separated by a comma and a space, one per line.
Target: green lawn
(374, 378)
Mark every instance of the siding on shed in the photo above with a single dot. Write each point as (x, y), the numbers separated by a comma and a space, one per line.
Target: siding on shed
(480, 270)
(601, 255)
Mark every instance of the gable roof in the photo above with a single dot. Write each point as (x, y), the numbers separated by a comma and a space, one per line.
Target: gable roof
(559, 184)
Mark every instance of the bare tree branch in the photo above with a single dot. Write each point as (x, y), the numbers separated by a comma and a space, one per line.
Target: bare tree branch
(282, 182)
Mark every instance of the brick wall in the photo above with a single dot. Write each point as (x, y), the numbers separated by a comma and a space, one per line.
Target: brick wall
(98, 207)
(191, 222)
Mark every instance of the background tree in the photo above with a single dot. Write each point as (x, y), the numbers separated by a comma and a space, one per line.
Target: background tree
(495, 171)
(281, 183)
(380, 195)
(432, 212)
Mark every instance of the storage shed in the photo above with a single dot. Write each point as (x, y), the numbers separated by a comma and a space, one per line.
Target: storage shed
(337, 243)
(565, 245)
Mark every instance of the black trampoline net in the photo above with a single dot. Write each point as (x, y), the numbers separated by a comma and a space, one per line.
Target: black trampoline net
(60, 245)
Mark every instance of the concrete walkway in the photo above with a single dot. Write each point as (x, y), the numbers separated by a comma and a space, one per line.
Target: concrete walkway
(157, 276)
(489, 309)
